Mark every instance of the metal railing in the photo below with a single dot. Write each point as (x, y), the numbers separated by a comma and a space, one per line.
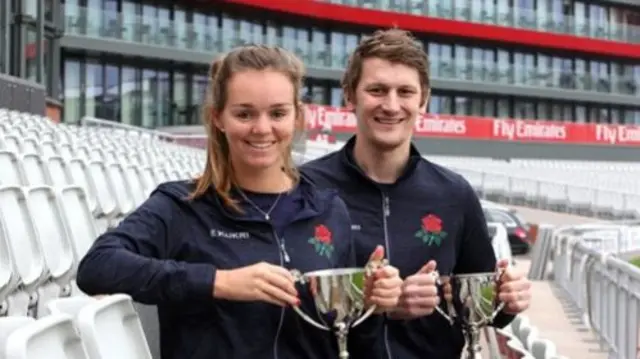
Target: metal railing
(590, 263)
(543, 19)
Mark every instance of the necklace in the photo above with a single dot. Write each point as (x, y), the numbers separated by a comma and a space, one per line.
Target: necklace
(267, 214)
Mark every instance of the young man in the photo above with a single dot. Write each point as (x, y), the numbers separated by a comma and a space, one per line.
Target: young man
(426, 216)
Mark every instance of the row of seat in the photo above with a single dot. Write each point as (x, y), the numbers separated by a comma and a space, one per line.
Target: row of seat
(78, 327)
(60, 186)
(599, 189)
(522, 340)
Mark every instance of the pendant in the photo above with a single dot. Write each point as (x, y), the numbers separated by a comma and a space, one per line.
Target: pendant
(266, 216)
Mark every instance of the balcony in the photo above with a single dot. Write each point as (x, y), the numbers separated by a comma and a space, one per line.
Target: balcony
(132, 35)
(489, 14)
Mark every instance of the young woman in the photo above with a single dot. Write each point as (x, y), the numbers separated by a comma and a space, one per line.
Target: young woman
(214, 254)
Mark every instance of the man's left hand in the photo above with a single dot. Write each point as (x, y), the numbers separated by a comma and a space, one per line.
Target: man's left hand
(514, 288)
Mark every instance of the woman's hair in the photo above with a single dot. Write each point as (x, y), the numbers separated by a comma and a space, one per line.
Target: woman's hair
(219, 173)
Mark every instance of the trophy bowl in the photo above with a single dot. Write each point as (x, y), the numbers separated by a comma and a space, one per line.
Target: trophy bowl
(471, 301)
(338, 295)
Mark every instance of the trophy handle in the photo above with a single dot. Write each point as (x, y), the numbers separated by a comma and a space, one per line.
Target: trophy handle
(500, 305)
(366, 315)
(299, 278)
(449, 318)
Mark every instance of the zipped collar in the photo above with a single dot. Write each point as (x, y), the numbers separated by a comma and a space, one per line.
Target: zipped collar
(348, 160)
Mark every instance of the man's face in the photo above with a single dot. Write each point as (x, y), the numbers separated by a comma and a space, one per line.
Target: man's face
(387, 103)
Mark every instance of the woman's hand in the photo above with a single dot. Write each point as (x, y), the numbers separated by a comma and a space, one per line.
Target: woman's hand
(262, 282)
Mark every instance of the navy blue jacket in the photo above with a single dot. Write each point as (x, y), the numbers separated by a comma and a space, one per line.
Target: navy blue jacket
(429, 213)
(167, 252)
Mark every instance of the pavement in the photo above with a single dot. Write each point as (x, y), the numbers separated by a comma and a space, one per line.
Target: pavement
(549, 311)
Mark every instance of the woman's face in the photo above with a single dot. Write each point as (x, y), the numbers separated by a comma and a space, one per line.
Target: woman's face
(259, 118)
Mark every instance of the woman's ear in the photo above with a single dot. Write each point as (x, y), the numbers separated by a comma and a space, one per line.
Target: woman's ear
(216, 122)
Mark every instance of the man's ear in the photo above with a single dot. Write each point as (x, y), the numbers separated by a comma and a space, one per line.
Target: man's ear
(349, 102)
(425, 105)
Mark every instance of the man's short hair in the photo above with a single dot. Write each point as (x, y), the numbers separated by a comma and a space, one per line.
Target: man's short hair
(393, 45)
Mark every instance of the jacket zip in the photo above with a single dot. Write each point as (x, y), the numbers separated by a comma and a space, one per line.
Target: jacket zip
(284, 258)
(386, 212)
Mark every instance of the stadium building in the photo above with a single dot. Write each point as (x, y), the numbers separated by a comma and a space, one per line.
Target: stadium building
(572, 66)
(145, 62)
(23, 24)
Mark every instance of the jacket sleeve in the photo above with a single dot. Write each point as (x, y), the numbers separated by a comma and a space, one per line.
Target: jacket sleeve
(362, 338)
(476, 251)
(135, 258)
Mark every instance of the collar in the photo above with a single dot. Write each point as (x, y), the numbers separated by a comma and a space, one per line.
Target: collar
(348, 160)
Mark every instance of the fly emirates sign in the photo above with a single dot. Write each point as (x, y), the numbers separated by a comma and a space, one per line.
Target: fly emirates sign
(339, 120)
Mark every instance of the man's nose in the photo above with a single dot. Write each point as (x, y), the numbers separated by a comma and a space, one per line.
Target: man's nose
(391, 103)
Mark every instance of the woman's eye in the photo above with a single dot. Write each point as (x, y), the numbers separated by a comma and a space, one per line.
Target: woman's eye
(243, 115)
(278, 114)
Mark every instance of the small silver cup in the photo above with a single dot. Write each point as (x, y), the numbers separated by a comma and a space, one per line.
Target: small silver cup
(471, 301)
(338, 295)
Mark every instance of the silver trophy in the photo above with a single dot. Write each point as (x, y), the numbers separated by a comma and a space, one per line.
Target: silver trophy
(471, 301)
(338, 295)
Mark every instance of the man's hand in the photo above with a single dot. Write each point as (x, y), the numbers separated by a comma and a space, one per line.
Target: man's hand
(384, 287)
(419, 294)
(514, 289)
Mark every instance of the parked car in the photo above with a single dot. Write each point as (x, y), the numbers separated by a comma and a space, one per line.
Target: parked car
(517, 228)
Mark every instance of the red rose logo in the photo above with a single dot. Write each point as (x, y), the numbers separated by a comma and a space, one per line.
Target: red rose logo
(432, 223)
(323, 234)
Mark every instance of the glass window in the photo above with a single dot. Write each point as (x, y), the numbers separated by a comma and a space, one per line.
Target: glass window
(198, 93)
(30, 7)
(504, 66)
(320, 49)
(183, 31)
(48, 10)
(351, 42)
(503, 108)
(502, 218)
(319, 94)
(524, 109)
(149, 98)
(542, 110)
(581, 114)
(302, 45)
(166, 31)
(289, 38)
(489, 105)
(72, 91)
(179, 104)
(336, 97)
(130, 20)
(130, 101)
(163, 99)
(463, 105)
(434, 58)
(110, 106)
(31, 55)
(338, 50)
(93, 88)
(580, 18)
(441, 105)
(445, 67)
(477, 106)
(582, 75)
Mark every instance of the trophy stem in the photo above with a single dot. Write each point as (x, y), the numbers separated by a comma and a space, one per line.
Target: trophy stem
(474, 349)
(341, 333)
